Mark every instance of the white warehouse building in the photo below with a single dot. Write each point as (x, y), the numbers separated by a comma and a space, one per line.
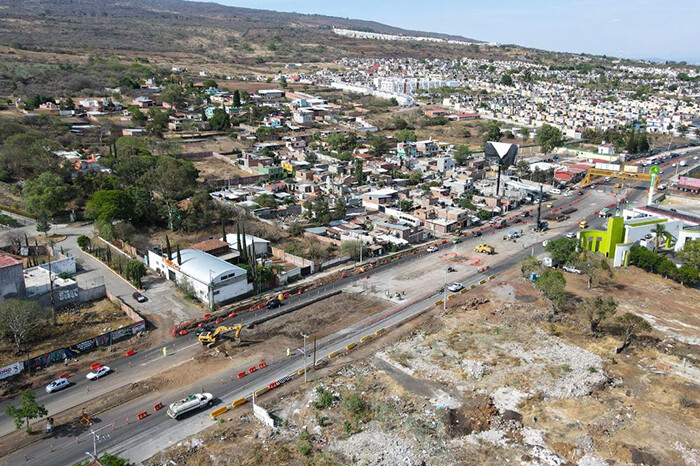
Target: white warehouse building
(213, 280)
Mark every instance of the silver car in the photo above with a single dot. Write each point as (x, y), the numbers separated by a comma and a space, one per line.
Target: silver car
(56, 385)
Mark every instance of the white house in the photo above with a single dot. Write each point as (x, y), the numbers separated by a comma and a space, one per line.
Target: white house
(212, 279)
(256, 245)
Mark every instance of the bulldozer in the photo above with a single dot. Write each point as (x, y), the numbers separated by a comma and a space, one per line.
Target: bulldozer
(210, 338)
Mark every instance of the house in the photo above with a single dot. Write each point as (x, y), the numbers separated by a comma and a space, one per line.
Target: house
(218, 248)
(211, 279)
(382, 197)
(412, 234)
(606, 149)
(11, 278)
(256, 246)
(435, 113)
(143, 102)
(133, 132)
(269, 94)
(428, 147)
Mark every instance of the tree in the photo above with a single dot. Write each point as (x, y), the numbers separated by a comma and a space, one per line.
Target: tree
(47, 194)
(171, 178)
(179, 256)
(493, 132)
(687, 275)
(135, 270)
(266, 200)
(220, 120)
(108, 205)
(19, 318)
(507, 80)
(549, 137)
(405, 205)
(595, 269)
(682, 130)
(174, 95)
(237, 98)
(399, 123)
(341, 208)
(523, 168)
(691, 253)
(351, 248)
(158, 122)
(83, 242)
(524, 133)
(379, 146)
(552, 283)
(596, 310)
(406, 135)
(137, 116)
(659, 232)
(168, 248)
(415, 177)
(644, 258)
(462, 155)
(483, 214)
(311, 158)
(43, 225)
(632, 325)
(562, 250)
(358, 172)
(210, 84)
(529, 265)
(28, 409)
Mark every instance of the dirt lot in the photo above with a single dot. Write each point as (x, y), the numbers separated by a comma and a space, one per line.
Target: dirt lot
(495, 380)
(214, 169)
(319, 319)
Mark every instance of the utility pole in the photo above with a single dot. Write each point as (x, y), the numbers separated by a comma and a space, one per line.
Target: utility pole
(314, 352)
(539, 211)
(444, 293)
(53, 303)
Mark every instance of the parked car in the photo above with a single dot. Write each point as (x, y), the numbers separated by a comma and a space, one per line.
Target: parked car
(525, 214)
(204, 328)
(99, 372)
(56, 385)
(432, 249)
(476, 234)
(455, 287)
(139, 297)
(545, 243)
(583, 224)
(571, 234)
(571, 269)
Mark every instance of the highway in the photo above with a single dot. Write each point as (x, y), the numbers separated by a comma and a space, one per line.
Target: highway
(141, 439)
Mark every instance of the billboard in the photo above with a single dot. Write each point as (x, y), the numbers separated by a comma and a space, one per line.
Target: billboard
(501, 153)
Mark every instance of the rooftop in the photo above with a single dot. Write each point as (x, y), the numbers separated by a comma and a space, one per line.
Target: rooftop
(8, 261)
(204, 267)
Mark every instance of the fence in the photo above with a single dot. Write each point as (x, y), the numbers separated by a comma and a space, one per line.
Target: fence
(292, 259)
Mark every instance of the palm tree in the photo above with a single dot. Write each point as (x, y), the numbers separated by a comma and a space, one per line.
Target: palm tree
(659, 231)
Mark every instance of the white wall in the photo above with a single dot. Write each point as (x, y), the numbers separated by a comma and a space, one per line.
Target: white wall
(634, 234)
(684, 236)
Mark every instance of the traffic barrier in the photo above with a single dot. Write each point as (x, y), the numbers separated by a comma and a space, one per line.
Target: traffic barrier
(481, 282)
(439, 303)
(64, 376)
(142, 415)
(472, 286)
(241, 374)
(252, 369)
(131, 352)
(218, 412)
(262, 365)
(350, 346)
(365, 338)
(158, 406)
(238, 402)
(492, 277)
(450, 297)
(206, 316)
(261, 391)
(379, 332)
(183, 332)
(333, 354)
(219, 320)
(95, 365)
(462, 291)
(300, 371)
(272, 385)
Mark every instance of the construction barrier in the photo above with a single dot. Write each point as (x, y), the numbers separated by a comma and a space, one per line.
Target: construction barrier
(262, 365)
(252, 369)
(472, 286)
(95, 365)
(439, 303)
(142, 415)
(131, 352)
(242, 374)
(450, 297)
(379, 332)
(238, 402)
(350, 346)
(64, 376)
(218, 412)
(365, 338)
(462, 291)
(158, 406)
(481, 282)
(261, 391)
(272, 385)
(492, 277)
(206, 316)
(333, 354)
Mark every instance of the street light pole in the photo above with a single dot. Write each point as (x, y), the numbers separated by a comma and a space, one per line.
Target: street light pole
(305, 337)
(444, 293)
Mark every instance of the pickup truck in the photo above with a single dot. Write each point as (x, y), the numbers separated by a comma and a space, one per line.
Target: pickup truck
(191, 403)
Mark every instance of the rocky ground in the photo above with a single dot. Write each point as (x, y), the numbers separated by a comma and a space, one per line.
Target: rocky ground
(496, 380)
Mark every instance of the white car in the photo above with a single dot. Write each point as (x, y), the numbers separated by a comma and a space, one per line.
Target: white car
(56, 385)
(571, 269)
(545, 243)
(99, 372)
(455, 287)
(571, 234)
(432, 249)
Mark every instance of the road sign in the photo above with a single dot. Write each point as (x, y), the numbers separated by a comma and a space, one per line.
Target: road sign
(654, 169)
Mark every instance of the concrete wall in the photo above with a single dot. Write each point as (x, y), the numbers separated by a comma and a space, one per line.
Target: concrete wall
(12, 282)
(686, 235)
(292, 259)
(59, 266)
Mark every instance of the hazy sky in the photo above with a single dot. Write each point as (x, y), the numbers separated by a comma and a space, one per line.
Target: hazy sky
(668, 29)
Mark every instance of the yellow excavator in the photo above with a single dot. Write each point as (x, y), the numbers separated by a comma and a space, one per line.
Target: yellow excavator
(209, 338)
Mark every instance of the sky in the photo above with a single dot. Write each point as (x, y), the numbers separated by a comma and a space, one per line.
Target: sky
(642, 29)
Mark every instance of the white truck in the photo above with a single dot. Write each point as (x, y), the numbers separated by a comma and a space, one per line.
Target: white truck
(191, 403)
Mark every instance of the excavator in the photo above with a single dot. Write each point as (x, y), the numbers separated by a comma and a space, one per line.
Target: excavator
(209, 338)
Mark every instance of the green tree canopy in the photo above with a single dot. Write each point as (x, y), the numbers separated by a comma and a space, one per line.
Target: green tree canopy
(691, 253)
(47, 194)
(220, 120)
(552, 284)
(549, 137)
(563, 250)
(28, 409)
(108, 205)
(462, 155)
(406, 135)
(493, 133)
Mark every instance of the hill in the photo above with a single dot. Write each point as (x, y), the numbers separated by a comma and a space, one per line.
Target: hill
(170, 26)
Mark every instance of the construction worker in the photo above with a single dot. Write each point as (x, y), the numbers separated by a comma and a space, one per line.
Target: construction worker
(289, 352)
(165, 351)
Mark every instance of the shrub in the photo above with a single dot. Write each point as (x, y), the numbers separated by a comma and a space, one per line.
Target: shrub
(83, 242)
(356, 405)
(304, 444)
(325, 398)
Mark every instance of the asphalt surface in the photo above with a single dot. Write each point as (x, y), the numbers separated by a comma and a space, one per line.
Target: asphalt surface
(140, 439)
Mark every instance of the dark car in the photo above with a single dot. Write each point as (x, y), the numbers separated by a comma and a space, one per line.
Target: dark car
(476, 234)
(525, 214)
(204, 328)
(274, 303)
(139, 297)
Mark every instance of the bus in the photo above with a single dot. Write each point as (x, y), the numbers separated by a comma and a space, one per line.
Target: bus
(604, 213)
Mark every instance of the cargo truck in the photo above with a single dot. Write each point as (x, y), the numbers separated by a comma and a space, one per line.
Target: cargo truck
(189, 404)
